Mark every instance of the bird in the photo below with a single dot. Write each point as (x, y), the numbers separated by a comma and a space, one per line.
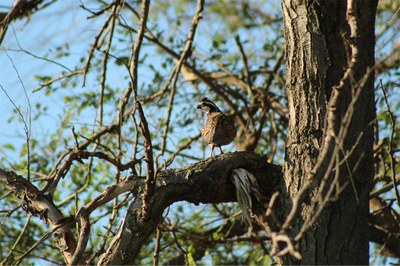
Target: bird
(219, 129)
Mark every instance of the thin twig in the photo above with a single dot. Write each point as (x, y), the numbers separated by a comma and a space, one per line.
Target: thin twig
(133, 66)
(78, 155)
(157, 248)
(41, 240)
(4, 262)
(98, 13)
(114, 13)
(391, 150)
(249, 84)
(63, 76)
(95, 45)
(182, 60)
(179, 149)
(27, 125)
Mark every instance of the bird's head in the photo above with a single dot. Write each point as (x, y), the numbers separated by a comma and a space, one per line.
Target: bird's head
(207, 106)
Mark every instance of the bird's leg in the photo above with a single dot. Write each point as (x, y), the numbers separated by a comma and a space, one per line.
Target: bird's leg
(221, 150)
(212, 148)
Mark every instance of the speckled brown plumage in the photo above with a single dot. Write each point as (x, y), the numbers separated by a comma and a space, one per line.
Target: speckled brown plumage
(219, 129)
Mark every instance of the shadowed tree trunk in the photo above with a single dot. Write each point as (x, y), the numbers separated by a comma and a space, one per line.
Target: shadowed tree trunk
(330, 52)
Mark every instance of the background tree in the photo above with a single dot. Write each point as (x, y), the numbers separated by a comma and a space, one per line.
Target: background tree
(118, 142)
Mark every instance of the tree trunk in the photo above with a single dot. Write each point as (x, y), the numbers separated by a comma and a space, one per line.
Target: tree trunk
(318, 56)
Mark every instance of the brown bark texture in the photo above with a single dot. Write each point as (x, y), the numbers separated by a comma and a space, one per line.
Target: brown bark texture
(330, 88)
(207, 181)
(37, 204)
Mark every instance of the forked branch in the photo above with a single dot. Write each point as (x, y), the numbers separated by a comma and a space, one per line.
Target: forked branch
(207, 181)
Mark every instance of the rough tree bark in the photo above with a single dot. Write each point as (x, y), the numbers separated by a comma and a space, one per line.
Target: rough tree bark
(330, 50)
(19, 9)
(208, 181)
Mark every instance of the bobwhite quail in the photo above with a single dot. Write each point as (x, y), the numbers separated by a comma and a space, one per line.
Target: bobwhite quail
(219, 129)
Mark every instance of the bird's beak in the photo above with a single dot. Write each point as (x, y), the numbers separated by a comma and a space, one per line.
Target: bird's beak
(199, 106)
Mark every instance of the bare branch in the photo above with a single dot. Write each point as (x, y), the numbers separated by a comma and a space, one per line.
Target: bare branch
(150, 175)
(115, 10)
(95, 43)
(40, 241)
(62, 76)
(133, 64)
(247, 75)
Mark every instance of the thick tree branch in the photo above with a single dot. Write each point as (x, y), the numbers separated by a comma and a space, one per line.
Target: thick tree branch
(20, 9)
(36, 203)
(83, 214)
(207, 181)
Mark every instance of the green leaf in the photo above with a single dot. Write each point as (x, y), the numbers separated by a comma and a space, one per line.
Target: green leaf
(9, 146)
